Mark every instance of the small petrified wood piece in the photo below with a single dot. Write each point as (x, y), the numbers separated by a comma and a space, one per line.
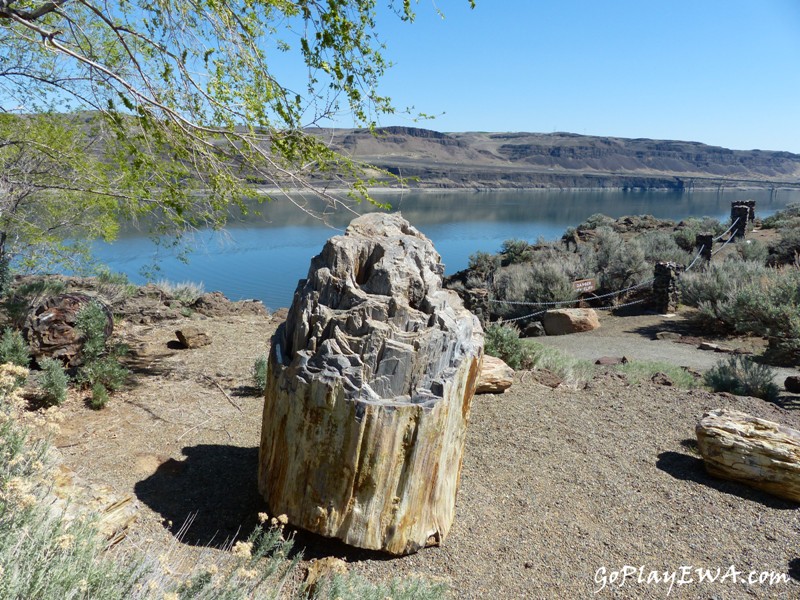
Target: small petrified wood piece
(757, 452)
(368, 396)
(50, 328)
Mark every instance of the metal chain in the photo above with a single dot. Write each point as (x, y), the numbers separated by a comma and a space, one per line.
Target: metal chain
(696, 258)
(721, 235)
(730, 239)
(562, 302)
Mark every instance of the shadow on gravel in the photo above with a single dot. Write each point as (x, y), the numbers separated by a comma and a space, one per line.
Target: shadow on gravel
(211, 497)
(794, 569)
(788, 402)
(681, 326)
(690, 468)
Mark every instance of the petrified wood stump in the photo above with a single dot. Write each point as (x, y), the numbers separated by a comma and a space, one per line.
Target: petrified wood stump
(368, 396)
(50, 328)
(757, 452)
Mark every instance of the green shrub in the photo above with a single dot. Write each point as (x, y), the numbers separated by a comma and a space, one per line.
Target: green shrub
(516, 252)
(484, 264)
(53, 381)
(619, 264)
(686, 233)
(260, 368)
(753, 251)
(789, 216)
(99, 396)
(741, 376)
(595, 221)
(91, 322)
(101, 360)
(106, 371)
(714, 291)
(661, 246)
(502, 341)
(13, 348)
(786, 250)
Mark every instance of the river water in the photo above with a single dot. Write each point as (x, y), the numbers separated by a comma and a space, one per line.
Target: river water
(265, 256)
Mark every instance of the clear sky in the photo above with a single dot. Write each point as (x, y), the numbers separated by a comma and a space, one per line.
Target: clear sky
(722, 72)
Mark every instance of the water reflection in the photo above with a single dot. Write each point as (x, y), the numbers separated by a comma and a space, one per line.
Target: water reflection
(264, 256)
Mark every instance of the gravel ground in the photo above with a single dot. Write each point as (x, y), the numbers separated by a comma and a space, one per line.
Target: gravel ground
(634, 337)
(557, 484)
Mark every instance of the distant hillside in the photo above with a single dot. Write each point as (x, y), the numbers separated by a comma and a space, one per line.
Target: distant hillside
(561, 160)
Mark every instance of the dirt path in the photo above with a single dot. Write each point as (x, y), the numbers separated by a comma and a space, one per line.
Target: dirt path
(557, 484)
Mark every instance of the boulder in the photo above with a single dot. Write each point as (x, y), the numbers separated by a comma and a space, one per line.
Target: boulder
(534, 329)
(191, 337)
(496, 376)
(760, 453)
(792, 384)
(50, 328)
(570, 320)
(370, 384)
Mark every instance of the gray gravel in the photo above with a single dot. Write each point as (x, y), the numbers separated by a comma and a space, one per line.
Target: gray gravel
(633, 337)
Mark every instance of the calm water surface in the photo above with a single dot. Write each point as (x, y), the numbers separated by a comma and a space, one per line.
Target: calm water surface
(265, 256)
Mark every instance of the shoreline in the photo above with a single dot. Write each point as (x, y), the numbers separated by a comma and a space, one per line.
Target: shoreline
(483, 190)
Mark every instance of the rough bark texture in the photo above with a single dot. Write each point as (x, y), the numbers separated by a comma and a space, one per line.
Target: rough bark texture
(50, 327)
(760, 453)
(368, 396)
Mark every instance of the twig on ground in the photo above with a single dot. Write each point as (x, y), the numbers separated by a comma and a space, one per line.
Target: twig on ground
(224, 393)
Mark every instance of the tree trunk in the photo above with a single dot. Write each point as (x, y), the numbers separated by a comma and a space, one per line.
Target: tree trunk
(757, 452)
(368, 396)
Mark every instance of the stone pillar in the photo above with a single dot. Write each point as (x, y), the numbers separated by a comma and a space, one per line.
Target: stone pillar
(706, 242)
(742, 213)
(666, 294)
(751, 205)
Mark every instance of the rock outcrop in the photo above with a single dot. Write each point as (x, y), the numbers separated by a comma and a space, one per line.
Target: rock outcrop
(563, 321)
(368, 396)
(760, 453)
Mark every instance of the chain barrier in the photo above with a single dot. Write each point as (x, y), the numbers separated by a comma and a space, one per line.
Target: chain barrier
(730, 239)
(696, 258)
(721, 235)
(609, 294)
(562, 302)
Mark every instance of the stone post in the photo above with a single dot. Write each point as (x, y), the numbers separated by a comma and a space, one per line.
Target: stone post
(742, 213)
(666, 294)
(751, 205)
(706, 242)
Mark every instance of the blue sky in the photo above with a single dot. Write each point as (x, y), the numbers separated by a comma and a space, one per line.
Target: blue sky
(722, 72)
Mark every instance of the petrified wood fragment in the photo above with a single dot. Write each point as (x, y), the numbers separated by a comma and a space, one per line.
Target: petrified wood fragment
(368, 396)
(757, 452)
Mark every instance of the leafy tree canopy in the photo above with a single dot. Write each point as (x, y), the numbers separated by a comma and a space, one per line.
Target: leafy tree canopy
(164, 110)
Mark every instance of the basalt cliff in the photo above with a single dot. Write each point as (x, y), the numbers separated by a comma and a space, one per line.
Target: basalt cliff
(430, 159)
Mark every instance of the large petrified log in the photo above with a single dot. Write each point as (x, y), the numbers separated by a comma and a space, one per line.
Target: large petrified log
(368, 396)
(757, 452)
